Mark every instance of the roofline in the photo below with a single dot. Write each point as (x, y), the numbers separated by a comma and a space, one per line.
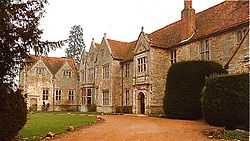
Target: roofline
(205, 36)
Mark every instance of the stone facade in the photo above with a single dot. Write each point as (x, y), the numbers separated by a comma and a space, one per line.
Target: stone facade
(51, 82)
(132, 75)
(139, 80)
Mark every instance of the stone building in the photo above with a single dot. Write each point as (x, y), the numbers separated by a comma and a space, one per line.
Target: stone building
(50, 82)
(131, 76)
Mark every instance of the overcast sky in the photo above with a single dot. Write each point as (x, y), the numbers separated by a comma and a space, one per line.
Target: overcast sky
(120, 19)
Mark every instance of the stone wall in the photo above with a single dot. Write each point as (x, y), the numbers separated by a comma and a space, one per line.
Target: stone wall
(159, 65)
(222, 47)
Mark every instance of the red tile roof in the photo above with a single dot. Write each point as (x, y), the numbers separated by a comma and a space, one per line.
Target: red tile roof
(54, 63)
(120, 50)
(220, 17)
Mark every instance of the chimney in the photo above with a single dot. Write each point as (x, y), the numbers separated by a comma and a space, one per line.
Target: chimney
(188, 19)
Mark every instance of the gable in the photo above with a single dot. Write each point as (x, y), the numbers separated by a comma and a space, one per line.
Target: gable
(39, 64)
(105, 50)
(65, 66)
(142, 44)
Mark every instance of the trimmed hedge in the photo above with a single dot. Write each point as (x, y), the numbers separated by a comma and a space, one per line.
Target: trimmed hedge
(185, 81)
(225, 101)
(13, 112)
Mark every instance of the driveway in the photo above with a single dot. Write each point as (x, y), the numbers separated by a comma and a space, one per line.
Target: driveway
(137, 128)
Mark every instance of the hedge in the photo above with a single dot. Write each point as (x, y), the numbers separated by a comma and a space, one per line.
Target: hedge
(13, 112)
(185, 81)
(225, 101)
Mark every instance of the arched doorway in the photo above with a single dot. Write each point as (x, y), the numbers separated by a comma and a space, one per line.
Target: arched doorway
(141, 103)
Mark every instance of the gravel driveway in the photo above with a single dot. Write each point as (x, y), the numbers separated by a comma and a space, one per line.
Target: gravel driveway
(134, 128)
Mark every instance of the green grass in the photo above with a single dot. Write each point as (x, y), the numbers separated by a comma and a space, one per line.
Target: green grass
(39, 124)
(233, 134)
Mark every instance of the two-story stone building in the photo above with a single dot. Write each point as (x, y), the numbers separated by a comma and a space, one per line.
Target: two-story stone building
(51, 82)
(133, 73)
(116, 74)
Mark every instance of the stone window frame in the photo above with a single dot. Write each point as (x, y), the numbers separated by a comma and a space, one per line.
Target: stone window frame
(106, 71)
(173, 56)
(86, 96)
(83, 96)
(142, 64)
(83, 74)
(71, 94)
(40, 70)
(127, 97)
(127, 65)
(45, 94)
(89, 96)
(106, 98)
(67, 73)
(205, 50)
(58, 95)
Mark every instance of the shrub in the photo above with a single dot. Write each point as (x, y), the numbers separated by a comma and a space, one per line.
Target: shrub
(13, 112)
(185, 81)
(225, 101)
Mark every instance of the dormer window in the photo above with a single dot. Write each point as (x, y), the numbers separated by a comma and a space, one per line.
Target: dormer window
(142, 64)
(67, 73)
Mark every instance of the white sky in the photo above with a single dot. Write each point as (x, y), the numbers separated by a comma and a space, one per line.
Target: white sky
(120, 19)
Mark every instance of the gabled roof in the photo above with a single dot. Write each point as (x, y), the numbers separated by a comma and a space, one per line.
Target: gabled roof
(120, 50)
(97, 45)
(218, 18)
(54, 63)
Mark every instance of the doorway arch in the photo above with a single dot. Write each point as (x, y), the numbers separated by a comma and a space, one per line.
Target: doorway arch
(141, 103)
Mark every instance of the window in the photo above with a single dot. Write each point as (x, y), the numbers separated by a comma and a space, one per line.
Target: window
(90, 74)
(173, 56)
(127, 99)
(127, 70)
(45, 94)
(88, 98)
(71, 95)
(141, 64)
(204, 50)
(105, 97)
(83, 96)
(58, 95)
(67, 73)
(106, 71)
(40, 70)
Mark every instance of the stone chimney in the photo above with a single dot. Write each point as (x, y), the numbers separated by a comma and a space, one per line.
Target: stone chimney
(188, 19)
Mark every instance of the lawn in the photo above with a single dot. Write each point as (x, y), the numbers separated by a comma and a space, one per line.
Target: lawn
(39, 124)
